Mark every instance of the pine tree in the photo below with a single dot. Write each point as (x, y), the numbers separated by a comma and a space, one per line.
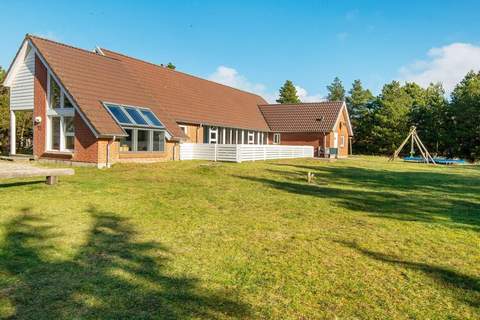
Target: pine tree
(359, 107)
(171, 66)
(336, 91)
(288, 93)
(465, 108)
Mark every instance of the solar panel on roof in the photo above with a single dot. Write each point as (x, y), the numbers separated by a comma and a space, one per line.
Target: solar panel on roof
(136, 116)
(118, 114)
(151, 117)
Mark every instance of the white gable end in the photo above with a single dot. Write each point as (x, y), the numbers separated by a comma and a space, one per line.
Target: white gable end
(22, 84)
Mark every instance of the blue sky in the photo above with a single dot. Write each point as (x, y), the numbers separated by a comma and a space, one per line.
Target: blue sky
(257, 45)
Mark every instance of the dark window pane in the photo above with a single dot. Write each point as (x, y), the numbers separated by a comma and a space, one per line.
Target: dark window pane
(142, 140)
(151, 117)
(136, 116)
(66, 102)
(158, 141)
(56, 133)
(118, 114)
(54, 94)
(69, 142)
(69, 128)
(126, 142)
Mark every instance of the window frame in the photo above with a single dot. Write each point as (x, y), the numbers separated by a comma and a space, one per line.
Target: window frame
(251, 134)
(210, 131)
(276, 138)
(61, 112)
(184, 128)
(342, 141)
(150, 136)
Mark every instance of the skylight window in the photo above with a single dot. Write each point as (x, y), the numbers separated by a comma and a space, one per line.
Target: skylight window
(151, 118)
(119, 114)
(134, 116)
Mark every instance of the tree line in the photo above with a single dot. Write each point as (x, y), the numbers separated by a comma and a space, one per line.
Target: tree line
(448, 127)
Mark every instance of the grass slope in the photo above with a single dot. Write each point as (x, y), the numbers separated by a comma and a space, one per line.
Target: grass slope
(368, 240)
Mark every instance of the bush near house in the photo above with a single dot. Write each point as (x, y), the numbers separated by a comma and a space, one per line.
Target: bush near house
(367, 239)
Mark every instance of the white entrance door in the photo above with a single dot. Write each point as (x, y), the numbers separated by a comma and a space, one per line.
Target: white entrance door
(335, 139)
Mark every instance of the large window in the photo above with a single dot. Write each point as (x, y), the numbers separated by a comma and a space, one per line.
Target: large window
(142, 140)
(60, 115)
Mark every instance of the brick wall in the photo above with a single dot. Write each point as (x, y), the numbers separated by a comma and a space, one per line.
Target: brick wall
(40, 107)
(85, 148)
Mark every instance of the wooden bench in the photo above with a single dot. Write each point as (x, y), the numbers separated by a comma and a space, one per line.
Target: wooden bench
(13, 170)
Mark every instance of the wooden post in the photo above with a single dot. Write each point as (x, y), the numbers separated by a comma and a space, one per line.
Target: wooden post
(51, 180)
(13, 133)
(310, 177)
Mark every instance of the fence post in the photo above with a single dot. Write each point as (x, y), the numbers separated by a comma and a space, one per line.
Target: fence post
(264, 153)
(215, 152)
(238, 155)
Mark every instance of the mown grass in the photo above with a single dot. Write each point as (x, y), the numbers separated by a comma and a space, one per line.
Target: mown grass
(368, 240)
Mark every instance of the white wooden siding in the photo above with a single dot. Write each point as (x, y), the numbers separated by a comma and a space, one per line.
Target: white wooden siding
(21, 91)
(242, 152)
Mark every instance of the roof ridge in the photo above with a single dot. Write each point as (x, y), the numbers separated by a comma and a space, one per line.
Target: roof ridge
(299, 103)
(29, 35)
(184, 73)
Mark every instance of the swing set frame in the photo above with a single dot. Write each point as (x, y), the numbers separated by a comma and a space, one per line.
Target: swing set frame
(414, 139)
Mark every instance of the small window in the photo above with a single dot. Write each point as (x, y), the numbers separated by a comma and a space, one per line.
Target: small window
(118, 113)
(151, 117)
(213, 135)
(136, 116)
(342, 141)
(55, 143)
(276, 138)
(158, 141)
(55, 94)
(66, 102)
(143, 140)
(184, 128)
(251, 137)
(69, 132)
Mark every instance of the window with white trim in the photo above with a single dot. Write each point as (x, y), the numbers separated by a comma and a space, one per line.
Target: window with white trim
(142, 140)
(276, 138)
(213, 135)
(184, 128)
(251, 137)
(60, 115)
(342, 141)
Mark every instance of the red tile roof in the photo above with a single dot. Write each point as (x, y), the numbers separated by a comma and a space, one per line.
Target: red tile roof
(194, 100)
(91, 78)
(302, 117)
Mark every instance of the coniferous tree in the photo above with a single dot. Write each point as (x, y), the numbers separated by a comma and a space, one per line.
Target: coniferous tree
(171, 66)
(288, 93)
(336, 91)
(359, 108)
(465, 113)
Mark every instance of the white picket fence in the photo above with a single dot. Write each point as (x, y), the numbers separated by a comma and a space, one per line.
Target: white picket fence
(242, 152)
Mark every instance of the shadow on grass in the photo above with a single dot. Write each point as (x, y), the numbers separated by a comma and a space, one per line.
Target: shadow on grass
(446, 277)
(20, 183)
(444, 198)
(111, 276)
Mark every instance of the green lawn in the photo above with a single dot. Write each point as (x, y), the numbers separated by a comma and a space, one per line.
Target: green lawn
(368, 240)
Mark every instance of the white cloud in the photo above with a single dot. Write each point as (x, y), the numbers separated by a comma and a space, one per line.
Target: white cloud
(351, 15)
(447, 65)
(231, 77)
(305, 97)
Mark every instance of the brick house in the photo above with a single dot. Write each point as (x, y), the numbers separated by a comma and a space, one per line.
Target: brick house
(101, 107)
(324, 125)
